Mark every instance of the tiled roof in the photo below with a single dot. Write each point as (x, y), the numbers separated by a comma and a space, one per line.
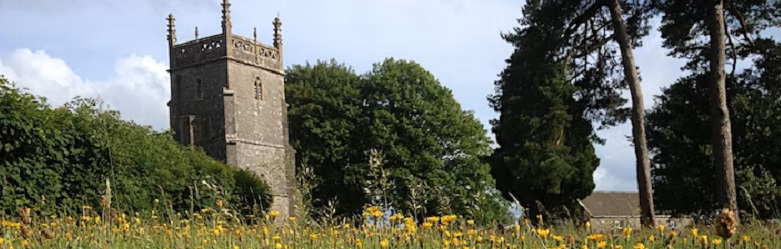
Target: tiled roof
(608, 203)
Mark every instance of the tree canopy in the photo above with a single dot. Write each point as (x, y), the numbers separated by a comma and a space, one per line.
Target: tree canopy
(432, 150)
(680, 139)
(548, 96)
(711, 36)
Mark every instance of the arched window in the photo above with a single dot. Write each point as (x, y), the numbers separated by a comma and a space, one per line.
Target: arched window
(258, 89)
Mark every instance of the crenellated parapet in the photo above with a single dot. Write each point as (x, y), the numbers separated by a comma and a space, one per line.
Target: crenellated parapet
(208, 49)
(250, 52)
(225, 46)
(197, 51)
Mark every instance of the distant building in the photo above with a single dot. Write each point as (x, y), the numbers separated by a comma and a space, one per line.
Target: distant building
(228, 97)
(615, 210)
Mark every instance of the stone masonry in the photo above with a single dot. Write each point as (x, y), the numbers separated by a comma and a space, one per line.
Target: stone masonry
(228, 97)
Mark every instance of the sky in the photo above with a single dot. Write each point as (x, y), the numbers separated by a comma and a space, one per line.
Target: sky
(116, 50)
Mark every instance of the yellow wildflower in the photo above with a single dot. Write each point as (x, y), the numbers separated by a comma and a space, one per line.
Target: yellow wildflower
(543, 233)
(703, 239)
(627, 231)
(716, 241)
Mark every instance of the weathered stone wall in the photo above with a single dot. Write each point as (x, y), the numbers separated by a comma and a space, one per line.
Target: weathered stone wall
(608, 223)
(260, 137)
(206, 107)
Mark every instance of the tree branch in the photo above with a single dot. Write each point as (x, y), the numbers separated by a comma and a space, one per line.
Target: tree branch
(595, 46)
(734, 53)
(732, 10)
(586, 15)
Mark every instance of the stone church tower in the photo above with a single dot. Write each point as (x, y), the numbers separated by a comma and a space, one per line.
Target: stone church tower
(228, 97)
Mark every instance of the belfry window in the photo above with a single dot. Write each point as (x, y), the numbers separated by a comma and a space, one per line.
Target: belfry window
(198, 89)
(258, 89)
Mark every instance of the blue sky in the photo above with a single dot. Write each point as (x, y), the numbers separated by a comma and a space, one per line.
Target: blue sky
(117, 50)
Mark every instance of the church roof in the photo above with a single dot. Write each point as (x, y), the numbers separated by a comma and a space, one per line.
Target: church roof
(612, 203)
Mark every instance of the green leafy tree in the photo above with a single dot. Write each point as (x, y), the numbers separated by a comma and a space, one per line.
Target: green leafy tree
(431, 149)
(679, 138)
(325, 105)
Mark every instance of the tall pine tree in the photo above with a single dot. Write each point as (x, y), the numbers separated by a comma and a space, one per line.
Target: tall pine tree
(557, 82)
(730, 26)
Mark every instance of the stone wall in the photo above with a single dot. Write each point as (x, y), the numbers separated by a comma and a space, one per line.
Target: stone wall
(607, 223)
(260, 119)
(197, 94)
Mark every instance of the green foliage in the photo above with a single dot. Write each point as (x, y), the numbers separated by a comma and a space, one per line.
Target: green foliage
(253, 193)
(323, 116)
(57, 159)
(431, 148)
(548, 98)
(683, 27)
(679, 129)
(679, 139)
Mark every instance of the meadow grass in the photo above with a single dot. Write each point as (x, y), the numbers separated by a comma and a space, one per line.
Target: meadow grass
(221, 228)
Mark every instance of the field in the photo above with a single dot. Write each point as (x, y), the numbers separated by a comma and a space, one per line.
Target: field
(221, 229)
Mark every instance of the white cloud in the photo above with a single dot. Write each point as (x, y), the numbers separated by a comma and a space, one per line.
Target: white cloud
(138, 89)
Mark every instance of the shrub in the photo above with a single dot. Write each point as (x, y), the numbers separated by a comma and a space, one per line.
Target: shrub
(58, 159)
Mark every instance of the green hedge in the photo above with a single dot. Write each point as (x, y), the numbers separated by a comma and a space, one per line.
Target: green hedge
(56, 160)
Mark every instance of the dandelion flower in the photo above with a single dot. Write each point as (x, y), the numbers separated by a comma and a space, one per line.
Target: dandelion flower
(703, 239)
(627, 232)
(716, 241)
(543, 233)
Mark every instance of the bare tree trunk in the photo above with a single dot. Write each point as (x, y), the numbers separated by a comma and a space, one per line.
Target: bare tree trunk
(720, 122)
(638, 116)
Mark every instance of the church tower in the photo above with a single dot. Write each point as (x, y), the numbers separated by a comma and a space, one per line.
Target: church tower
(228, 97)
